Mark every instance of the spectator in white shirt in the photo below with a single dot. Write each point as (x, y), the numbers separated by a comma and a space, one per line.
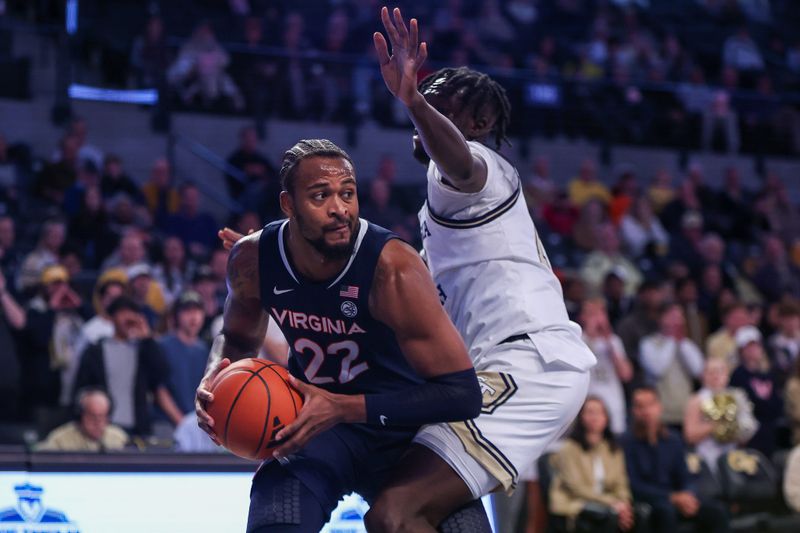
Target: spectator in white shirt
(613, 367)
(640, 229)
(671, 362)
(741, 52)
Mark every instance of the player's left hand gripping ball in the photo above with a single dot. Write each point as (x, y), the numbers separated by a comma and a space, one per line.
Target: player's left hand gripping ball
(321, 410)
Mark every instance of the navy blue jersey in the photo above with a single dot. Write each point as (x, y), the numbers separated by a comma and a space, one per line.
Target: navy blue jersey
(335, 341)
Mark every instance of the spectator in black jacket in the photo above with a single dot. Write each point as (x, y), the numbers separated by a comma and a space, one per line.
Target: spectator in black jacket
(131, 367)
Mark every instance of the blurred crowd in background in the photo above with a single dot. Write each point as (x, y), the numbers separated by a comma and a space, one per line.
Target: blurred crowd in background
(111, 291)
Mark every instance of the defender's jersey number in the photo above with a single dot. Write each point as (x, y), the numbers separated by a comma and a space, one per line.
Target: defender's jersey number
(347, 370)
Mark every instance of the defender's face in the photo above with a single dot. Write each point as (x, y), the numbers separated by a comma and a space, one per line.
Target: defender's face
(324, 204)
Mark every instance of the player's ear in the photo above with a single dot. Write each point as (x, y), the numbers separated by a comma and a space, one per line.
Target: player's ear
(287, 204)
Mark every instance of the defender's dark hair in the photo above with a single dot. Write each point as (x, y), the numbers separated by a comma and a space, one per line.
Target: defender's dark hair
(479, 90)
(303, 149)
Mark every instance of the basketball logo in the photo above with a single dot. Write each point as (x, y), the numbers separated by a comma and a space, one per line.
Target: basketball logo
(349, 309)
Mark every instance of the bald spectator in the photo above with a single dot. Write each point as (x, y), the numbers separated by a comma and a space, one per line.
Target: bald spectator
(159, 192)
(197, 229)
(51, 238)
(92, 432)
(585, 186)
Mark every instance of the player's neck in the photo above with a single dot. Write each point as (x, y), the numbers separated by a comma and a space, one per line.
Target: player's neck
(310, 262)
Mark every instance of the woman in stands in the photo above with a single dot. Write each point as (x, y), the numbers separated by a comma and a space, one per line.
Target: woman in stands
(590, 489)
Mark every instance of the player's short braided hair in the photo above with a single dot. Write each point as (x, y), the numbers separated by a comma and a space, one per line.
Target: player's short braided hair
(303, 149)
(478, 91)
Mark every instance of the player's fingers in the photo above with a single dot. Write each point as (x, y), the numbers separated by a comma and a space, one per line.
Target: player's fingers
(381, 48)
(400, 24)
(391, 31)
(413, 38)
(422, 55)
(204, 395)
(220, 366)
(303, 388)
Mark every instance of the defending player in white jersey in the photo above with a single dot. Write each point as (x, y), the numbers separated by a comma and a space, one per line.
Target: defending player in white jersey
(494, 280)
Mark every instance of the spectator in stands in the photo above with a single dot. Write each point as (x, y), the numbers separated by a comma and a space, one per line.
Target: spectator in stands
(722, 343)
(131, 367)
(755, 376)
(145, 292)
(159, 192)
(52, 325)
(198, 73)
(641, 230)
(560, 215)
(56, 177)
(150, 57)
(606, 258)
(91, 432)
(792, 400)
(656, 462)
(741, 52)
(90, 229)
(211, 291)
(687, 246)
(110, 285)
(672, 216)
(671, 362)
(718, 417)
(686, 296)
(720, 125)
(613, 368)
(131, 251)
(585, 186)
(777, 276)
(12, 318)
(250, 161)
(197, 230)
(381, 209)
(791, 480)
(661, 190)
(79, 129)
(590, 468)
(540, 189)
(784, 344)
(116, 181)
(186, 354)
(175, 271)
(618, 304)
(88, 177)
(586, 233)
(10, 256)
(51, 238)
(643, 319)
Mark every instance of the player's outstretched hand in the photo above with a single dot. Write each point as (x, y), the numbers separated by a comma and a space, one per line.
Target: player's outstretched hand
(203, 396)
(399, 70)
(229, 237)
(321, 410)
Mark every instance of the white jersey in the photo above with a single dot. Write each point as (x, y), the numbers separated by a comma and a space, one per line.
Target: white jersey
(491, 270)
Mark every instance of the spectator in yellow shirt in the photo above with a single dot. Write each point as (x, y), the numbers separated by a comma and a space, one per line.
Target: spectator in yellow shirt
(92, 432)
(585, 186)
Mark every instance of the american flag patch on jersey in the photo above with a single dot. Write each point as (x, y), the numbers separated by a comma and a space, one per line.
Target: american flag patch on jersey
(348, 291)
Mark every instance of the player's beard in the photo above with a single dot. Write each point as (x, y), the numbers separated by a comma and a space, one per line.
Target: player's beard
(331, 252)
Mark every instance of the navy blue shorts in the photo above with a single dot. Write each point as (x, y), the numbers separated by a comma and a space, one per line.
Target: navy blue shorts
(346, 458)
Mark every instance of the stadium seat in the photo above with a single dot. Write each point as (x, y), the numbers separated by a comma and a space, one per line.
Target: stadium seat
(706, 484)
(747, 477)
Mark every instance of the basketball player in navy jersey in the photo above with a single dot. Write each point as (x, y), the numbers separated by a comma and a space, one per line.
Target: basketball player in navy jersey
(372, 350)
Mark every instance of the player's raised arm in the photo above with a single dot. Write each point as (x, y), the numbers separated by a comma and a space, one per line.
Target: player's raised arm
(244, 321)
(404, 298)
(442, 140)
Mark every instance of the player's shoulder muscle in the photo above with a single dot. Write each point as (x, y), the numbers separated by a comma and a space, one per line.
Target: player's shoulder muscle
(243, 266)
(400, 277)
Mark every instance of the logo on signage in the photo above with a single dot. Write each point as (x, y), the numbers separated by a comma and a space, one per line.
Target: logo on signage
(30, 510)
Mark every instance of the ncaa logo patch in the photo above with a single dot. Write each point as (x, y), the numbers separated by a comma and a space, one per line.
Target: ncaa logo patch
(349, 309)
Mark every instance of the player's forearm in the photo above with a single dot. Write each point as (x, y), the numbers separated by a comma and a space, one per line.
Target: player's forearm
(442, 140)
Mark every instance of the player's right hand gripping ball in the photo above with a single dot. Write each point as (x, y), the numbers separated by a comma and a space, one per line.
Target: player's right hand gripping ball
(253, 401)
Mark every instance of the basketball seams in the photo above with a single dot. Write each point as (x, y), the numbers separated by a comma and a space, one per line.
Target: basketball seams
(239, 393)
(289, 388)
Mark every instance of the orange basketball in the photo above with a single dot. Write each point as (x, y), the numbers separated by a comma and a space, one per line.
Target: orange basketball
(253, 400)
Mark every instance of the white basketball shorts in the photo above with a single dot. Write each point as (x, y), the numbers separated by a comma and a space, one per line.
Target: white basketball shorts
(527, 404)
